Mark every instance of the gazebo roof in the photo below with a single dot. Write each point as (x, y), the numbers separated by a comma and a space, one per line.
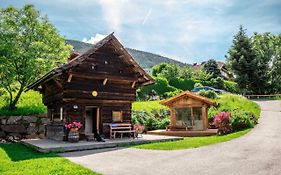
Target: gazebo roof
(189, 94)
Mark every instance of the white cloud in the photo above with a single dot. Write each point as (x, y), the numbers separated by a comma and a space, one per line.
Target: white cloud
(94, 39)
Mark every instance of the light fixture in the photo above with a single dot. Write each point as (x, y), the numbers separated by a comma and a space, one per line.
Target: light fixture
(75, 107)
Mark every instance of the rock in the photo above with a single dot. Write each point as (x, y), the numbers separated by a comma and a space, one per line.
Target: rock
(16, 136)
(2, 141)
(10, 138)
(30, 119)
(32, 128)
(14, 128)
(3, 120)
(41, 136)
(41, 129)
(14, 120)
(32, 136)
(45, 120)
(2, 134)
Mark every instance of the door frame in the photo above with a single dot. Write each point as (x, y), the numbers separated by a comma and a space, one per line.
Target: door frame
(97, 116)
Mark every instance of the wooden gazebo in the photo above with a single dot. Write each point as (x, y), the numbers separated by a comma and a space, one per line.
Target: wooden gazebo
(189, 111)
(96, 88)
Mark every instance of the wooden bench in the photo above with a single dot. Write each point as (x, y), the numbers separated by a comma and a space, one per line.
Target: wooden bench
(178, 127)
(125, 131)
(120, 128)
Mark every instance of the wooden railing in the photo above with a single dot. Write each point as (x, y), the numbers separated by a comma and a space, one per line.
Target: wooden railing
(261, 96)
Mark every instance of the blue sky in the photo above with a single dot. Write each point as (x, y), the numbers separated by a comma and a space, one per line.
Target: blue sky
(186, 30)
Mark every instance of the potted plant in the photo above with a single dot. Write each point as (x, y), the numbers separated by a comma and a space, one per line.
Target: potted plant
(139, 129)
(73, 134)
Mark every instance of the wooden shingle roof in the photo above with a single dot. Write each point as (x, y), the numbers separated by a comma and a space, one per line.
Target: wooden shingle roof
(187, 94)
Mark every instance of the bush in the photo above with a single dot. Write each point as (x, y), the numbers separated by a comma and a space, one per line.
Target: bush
(171, 94)
(209, 94)
(241, 119)
(217, 83)
(230, 86)
(155, 119)
(160, 87)
(222, 122)
(183, 84)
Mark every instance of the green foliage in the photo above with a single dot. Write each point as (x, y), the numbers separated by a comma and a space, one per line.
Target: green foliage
(155, 119)
(29, 103)
(198, 85)
(202, 76)
(18, 159)
(230, 86)
(161, 86)
(236, 105)
(183, 84)
(29, 47)
(217, 83)
(192, 142)
(147, 106)
(209, 94)
(241, 119)
(242, 60)
(166, 70)
(211, 67)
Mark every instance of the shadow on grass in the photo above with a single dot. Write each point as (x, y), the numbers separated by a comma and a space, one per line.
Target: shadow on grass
(19, 152)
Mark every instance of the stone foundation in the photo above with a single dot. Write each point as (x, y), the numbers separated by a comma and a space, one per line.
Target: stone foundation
(55, 131)
(19, 127)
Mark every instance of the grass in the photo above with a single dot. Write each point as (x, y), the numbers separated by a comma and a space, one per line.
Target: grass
(192, 142)
(16, 159)
(30, 103)
(148, 106)
(229, 102)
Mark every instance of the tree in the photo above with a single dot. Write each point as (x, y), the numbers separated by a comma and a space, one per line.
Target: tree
(263, 46)
(242, 59)
(29, 46)
(212, 67)
(166, 70)
(275, 71)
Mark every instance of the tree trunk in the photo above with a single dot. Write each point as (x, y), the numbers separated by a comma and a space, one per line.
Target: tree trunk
(15, 101)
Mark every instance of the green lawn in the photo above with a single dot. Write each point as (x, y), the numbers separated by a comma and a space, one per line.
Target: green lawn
(148, 106)
(192, 142)
(29, 103)
(16, 159)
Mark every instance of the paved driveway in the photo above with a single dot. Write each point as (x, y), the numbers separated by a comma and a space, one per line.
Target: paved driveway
(258, 152)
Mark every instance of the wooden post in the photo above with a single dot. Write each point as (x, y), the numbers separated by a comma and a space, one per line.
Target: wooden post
(69, 78)
(61, 113)
(173, 117)
(205, 117)
(104, 81)
(134, 83)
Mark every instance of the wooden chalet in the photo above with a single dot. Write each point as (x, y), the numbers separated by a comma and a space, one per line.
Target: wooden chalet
(95, 88)
(189, 115)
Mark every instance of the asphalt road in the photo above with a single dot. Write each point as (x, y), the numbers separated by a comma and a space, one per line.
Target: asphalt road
(257, 152)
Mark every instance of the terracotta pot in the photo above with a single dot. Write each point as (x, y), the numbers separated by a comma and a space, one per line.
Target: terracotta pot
(73, 129)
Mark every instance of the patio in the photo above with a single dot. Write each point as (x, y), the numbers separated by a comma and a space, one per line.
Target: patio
(47, 145)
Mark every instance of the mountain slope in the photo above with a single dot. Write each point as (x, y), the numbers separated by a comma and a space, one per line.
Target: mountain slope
(145, 59)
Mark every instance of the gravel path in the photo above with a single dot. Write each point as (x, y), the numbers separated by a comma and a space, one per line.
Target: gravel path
(257, 152)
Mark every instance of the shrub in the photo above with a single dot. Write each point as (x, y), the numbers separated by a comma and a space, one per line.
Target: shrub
(209, 94)
(241, 119)
(151, 120)
(217, 83)
(171, 94)
(198, 85)
(222, 122)
(183, 84)
(160, 87)
(230, 86)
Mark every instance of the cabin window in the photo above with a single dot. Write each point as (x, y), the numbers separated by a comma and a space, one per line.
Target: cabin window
(117, 116)
(190, 117)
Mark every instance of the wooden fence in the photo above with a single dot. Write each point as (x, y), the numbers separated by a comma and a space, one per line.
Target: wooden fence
(262, 96)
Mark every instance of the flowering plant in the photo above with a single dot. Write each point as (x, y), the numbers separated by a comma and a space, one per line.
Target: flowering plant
(139, 128)
(222, 122)
(73, 125)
